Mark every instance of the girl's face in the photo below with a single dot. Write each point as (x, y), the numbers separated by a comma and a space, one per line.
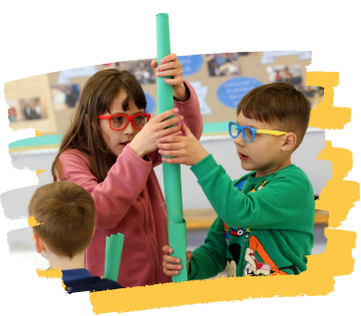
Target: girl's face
(117, 140)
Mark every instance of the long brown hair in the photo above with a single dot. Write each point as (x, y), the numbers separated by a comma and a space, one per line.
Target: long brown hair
(84, 132)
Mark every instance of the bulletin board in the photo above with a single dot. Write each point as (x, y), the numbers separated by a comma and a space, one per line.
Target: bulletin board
(47, 102)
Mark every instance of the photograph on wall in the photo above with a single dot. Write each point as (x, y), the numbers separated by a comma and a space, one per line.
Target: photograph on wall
(140, 69)
(13, 111)
(292, 74)
(223, 64)
(65, 96)
(285, 73)
(33, 108)
(313, 94)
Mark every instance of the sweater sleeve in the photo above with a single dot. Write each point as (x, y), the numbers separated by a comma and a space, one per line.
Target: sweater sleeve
(190, 109)
(210, 258)
(113, 197)
(278, 205)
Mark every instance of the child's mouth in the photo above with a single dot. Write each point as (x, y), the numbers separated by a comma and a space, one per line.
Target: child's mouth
(124, 144)
(242, 157)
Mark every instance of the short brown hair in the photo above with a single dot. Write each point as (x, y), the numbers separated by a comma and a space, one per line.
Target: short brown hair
(278, 103)
(67, 214)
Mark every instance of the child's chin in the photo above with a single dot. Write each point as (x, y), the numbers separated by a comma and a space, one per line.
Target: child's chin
(118, 151)
(246, 167)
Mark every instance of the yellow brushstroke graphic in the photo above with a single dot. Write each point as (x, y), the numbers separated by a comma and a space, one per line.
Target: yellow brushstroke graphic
(51, 274)
(36, 174)
(31, 222)
(37, 133)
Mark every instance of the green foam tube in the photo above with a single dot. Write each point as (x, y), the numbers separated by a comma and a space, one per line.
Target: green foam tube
(113, 255)
(171, 172)
(178, 241)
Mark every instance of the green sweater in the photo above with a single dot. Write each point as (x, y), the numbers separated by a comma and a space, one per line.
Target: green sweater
(264, 228)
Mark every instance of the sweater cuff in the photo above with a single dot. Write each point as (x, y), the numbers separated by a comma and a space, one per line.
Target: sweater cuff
(146, 161)
(187, 85)
(192, 271)
(202, 168)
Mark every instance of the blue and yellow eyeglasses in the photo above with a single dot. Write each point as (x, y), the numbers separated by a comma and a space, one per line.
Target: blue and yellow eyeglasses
(249, 132)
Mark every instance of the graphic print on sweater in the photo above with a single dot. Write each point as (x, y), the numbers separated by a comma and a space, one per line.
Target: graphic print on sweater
(252, 265)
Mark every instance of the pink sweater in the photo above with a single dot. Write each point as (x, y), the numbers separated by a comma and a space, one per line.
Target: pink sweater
(130, 201)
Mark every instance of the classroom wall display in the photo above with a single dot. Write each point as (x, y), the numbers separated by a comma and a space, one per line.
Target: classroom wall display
(269, 57)
(65, 96)
(233, 90)
(285, 73)
(223, 64)
(13, 111)
(30, 104)
(65, 76)
(201, 92)
(140, 69)
(191, 64)
(220, 81)
(293, 74)
(33, 108)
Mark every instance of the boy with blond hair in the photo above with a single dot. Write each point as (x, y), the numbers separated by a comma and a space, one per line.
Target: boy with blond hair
(265, 218)
(66, 214)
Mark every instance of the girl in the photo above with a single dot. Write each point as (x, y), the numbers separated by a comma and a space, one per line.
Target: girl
(110, 150)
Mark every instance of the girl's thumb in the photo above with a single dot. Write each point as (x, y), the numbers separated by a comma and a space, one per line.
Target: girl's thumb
(186, 130)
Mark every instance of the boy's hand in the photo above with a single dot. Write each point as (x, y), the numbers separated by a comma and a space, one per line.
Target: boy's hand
(147, 139)
(171, 265)
(171, 66)
(185, 148)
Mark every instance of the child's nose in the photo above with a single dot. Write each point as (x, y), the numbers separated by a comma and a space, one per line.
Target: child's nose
(239, 140)
(129, 130)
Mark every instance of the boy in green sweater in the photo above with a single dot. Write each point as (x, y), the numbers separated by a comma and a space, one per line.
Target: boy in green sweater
(265, 219)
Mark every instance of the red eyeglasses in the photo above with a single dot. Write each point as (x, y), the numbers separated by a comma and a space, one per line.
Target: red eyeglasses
(118, 122)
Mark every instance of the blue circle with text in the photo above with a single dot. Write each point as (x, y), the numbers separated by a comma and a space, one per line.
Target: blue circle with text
(233, 90)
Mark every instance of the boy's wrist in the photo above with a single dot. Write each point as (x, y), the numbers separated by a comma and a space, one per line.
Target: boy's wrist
(199, 168)
(202, 155)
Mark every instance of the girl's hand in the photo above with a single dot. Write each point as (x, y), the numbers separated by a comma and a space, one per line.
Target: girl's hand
(148, 138)
(171, 265)
(171, 66)
(186, 149)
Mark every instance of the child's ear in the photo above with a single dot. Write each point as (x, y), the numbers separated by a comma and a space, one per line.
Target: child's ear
(289, 142)
(38, 243)
(93, 231)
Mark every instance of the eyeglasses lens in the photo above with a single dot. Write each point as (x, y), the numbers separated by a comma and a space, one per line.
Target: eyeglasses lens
(120, 122)
(234, 130)
(139, 121)
(247, 133)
